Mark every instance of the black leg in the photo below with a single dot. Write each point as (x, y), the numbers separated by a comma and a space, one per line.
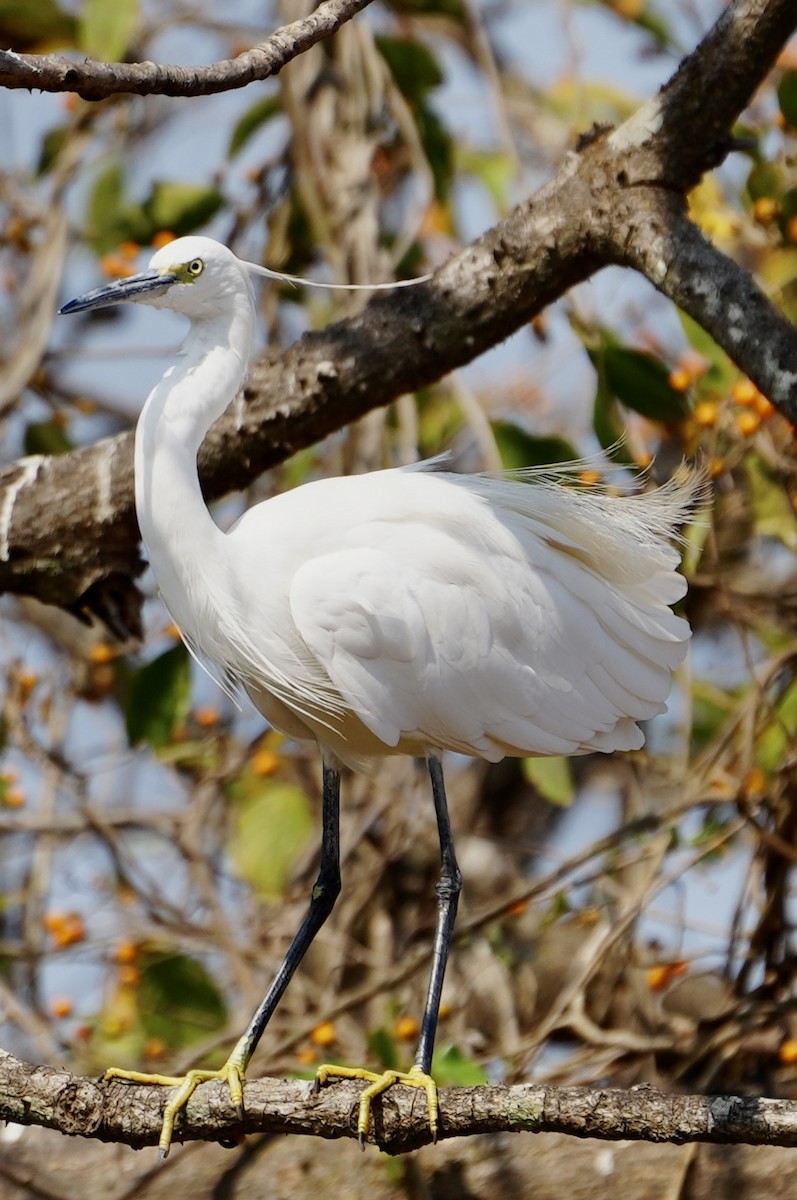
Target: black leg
(419, 1076)
(447, 891)
(325, 892)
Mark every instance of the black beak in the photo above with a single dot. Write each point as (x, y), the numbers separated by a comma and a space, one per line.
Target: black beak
(135, 287)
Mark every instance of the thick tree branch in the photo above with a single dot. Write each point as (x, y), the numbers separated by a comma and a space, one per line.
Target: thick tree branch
(131, 1114)
(721, 296)
(96, 80)
(67, 528)
(692, 117)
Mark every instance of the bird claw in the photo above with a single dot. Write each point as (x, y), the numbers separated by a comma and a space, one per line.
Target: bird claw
(232, 1073)
(377, 1085)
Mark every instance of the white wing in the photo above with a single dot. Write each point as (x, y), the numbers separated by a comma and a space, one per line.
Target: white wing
(496, 617)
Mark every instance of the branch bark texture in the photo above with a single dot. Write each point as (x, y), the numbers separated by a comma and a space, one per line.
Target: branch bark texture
(97, 80)
(131, 1114)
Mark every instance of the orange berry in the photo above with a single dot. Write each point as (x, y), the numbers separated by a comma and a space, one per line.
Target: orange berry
(206, 717)
(324, 1034)
(630, 10)
(154, 1048)
(657, 978)
(102, 682)
(406, 1029)
(129, 249)
(679, 379)
(765, 209)
(14, 798)
(64, 928)
(101, 653)
(61, 1006)
(663, 974)
(306, 1055)
(73, 931)
(115, 266)
(26, 682)
(693, 363)
(744, 392)
(788, 1052)
(706, 414)
(126, 952)
(162, 238)
(764, 407)
(716, 466)
(444, 1010)
(129, 976)
(755, 782)
(748, 423)
(265, 762)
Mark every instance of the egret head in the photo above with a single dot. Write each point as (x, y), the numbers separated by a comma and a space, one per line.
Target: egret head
(191, 275)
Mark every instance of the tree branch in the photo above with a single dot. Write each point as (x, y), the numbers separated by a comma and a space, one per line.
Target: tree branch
(721, 296)
(114, 1111)
(96, 80)
(67, 527)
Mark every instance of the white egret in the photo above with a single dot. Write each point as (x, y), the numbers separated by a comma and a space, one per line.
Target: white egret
(408, 611)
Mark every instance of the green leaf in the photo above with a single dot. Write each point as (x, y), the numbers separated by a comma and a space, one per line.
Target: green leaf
(787, 97)
(36, 26)
(552, 777)
(712, 707)
(656, 27)
(181, 207)
(106, 198)
(438, 148)
(414, 68)
(382, 1046)
(772, 511)
(721, 371)
(52, 144)
(446, 8)
(777, 739)
(520, 449)
(641, 382)
(178, 1001)
(272, 826)
(253, 119)
(493, 168)
(46, 437)
(107, 28)
(451, 1068)
(157, 703)
(606, 419)
(110, 219)
(765, 179)
(439, 418)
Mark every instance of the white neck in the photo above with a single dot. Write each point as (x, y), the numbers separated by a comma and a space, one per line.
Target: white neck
(184, 545)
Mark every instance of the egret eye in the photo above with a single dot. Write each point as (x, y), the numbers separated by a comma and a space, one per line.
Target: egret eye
(196, 267)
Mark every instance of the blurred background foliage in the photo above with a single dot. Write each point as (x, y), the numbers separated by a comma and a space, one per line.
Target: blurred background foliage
(623, 919)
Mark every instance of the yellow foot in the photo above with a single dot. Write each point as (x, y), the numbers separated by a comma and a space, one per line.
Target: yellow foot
(415, 1077)
(186, 1084)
